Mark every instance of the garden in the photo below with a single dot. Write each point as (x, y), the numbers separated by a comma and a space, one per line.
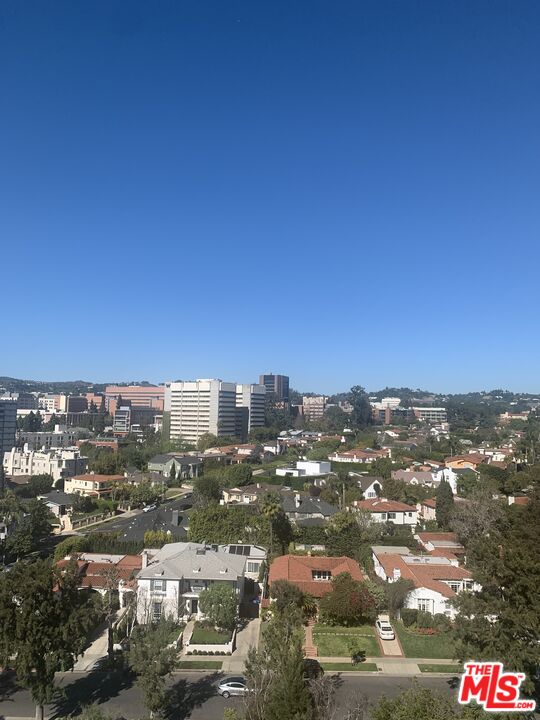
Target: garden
(343, 641)
(204, 633)
(423, 635)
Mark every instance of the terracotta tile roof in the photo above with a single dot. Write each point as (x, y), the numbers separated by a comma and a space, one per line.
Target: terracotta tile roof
(100, 479)
(427, 536)
(380, 505)
(521, 500)
(298, 569)
(429, 502)
(425, 575)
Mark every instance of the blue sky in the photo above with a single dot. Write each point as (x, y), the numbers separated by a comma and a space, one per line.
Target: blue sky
(344, 192)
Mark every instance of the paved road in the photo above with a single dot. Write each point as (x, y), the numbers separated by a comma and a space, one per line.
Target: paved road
(192, 694)
(134, 527)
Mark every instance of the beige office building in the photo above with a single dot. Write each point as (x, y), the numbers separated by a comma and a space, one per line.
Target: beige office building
(196, 407)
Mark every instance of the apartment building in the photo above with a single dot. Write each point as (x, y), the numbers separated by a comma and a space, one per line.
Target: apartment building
(8, 425)
(430, 414)
(122, 420)
(314, 407)
(276, 385)
(24, 400)
(196, 407)
(250, 404)
(57, 462)
(150, 396)
(60, 437)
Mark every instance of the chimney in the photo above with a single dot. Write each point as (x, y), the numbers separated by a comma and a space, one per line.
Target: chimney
(144, 559)
(396, 574)
(175, 518)
(296, 500)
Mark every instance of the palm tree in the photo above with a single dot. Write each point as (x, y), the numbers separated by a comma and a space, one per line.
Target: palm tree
(271, 508)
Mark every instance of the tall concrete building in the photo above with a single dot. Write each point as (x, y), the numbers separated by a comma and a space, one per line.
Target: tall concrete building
(314, 407)
(276, 385)
(8, 425)
(196, 407)
(250, 402)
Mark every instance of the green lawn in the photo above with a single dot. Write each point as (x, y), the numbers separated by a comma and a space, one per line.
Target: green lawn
(425, 668)
(203, 665)
(329, 645)
(333, 629)
(209, 636)
(340, 667)
(424, 646)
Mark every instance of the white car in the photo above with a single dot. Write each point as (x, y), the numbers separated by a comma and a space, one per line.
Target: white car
(149, 508)
(384, 629)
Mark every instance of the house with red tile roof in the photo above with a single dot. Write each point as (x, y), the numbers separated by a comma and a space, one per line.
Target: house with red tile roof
(427, 509)
(101, 571)
(360, 455)
(441, 544)
(383, 510)
(436, 580)
(312, 575)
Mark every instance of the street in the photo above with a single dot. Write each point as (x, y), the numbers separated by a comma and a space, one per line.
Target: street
(192, 694)
(135, 526)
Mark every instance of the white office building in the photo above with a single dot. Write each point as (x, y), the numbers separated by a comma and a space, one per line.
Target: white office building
(197, 407)
(60, 437)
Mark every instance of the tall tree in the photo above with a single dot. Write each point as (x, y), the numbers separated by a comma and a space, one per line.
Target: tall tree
(444, 504)
(153, 659)
(349, 603)
(220, 603)
(361, 414)
(45, 621)
(501, 620)
(270, 507)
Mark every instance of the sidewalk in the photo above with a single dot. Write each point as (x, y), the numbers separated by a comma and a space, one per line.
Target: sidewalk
(394, 665)
(245, 639)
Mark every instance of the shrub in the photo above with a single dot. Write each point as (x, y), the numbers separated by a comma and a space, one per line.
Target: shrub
(409, 616)
(425, 620)
(442, 623)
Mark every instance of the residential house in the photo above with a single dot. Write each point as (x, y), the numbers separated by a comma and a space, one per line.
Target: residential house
(169, 584)
(312, 575)
(427, 509)
(58, 502)
(186, 466)
(248, 494)
(382, 510)
(305, 468)
(254, 555)
(371, 485)
(93, 485)
(417, 477)
(103, 572)
(360, 455)
(441, 544)
(302, 507)
(436, 580)
(470, 461)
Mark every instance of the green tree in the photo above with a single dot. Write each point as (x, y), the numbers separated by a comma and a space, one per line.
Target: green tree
(219, 603)
(270, 507)
(172, 474)
(349, 602)
(478, 517)
(285, 595)
(153, 660)
(502, 619)
(276, 672)
(32, 529)
(45, 621)
(239, 474)
(205, 441)
(37, 485)
(206, 490)
(396, 594)
(416, 703)
(361, 414)
(444, 504)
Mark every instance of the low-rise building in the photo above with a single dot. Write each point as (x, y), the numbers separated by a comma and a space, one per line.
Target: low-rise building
(186, 466)
(382, 510)
(436, 580)
(360, 455)
(57, 462)
(441, 544)
(247, 494)
(300, 507)
(306, 468)
(93, 484)
(427, 509)
(312, 575)
(60, 437)
(371, 485)
(169, 584)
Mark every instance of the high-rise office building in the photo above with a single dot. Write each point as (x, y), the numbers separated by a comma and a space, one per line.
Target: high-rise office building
(8, 426)
(250, 403)
(196, 407)
(314, 407)
(276, 386)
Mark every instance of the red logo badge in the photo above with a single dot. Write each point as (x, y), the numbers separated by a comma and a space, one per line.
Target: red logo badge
(490, 686)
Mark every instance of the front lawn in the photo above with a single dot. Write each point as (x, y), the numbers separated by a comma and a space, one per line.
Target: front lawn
(347, 667)
(205, 635)
(336, 644)
(433, 668)
(339, 629)
(424, 646)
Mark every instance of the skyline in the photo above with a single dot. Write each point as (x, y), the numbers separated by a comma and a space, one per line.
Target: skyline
(347, 194)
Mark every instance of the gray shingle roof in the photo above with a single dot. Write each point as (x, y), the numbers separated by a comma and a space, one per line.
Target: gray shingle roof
(189, 560)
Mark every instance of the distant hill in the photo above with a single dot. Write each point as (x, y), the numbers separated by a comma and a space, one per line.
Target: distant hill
(72, 387)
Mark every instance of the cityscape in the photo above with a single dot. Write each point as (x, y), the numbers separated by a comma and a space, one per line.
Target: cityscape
(269, 378)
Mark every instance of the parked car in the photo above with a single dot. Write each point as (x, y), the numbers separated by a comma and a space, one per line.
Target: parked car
(149, 508)
(384, 629)
(232, 686)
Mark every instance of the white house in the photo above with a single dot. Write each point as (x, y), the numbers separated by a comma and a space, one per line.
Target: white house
(171, 582)
(436, 580)
(371, 485)
(382, 510)
(306, 468)
(254, 555)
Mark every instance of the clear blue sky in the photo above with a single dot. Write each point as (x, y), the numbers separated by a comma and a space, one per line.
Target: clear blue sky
(344, 192)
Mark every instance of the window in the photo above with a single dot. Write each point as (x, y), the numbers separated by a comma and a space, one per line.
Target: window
(253, 567)
(424, 605)
(321, 574)
(158, 585)
(391, 516)
(156, 611)
(455, 586)
(383, 516)
(468, 584)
